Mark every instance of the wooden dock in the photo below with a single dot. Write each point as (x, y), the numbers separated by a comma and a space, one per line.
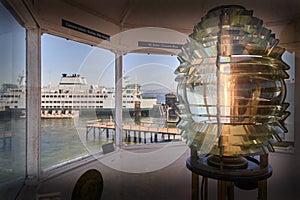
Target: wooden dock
(134, 133)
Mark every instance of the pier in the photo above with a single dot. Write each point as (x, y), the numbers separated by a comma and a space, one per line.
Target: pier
(134, 133)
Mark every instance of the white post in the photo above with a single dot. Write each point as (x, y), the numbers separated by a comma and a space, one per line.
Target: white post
(118, 99)
(33, 105)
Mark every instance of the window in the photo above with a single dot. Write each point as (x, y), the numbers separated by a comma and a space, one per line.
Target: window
(12, 128)
(61, 139)
(289, 58)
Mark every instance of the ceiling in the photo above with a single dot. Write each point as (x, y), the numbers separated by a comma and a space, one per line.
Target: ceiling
(169, 21)
(180, 15)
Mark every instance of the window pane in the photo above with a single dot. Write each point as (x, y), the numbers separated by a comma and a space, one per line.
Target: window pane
(289, 58)
(71, 96)
(12, 101)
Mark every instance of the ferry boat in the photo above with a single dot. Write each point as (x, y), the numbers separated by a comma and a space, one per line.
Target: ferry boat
(12, 99)
(73, 93)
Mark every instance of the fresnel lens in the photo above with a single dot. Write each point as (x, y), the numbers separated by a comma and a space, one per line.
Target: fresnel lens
(231, 88)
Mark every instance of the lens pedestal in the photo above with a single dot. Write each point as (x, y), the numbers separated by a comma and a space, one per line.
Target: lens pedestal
(230, 172)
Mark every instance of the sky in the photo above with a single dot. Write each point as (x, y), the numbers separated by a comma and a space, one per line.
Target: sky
(12, 48)
(60, 55)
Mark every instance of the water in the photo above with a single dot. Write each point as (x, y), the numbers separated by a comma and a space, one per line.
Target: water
(61, 140)
(66, 139)
(12, 149)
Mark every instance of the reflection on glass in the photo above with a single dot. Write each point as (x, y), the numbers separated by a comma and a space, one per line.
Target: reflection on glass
(12, 101)
(231, 85)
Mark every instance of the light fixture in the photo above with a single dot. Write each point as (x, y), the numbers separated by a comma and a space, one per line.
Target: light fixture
(231, 91)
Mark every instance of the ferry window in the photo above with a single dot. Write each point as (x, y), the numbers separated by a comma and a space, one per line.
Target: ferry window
(12, 127)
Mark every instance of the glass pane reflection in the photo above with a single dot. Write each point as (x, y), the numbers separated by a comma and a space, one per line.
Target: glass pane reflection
(12, 102)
